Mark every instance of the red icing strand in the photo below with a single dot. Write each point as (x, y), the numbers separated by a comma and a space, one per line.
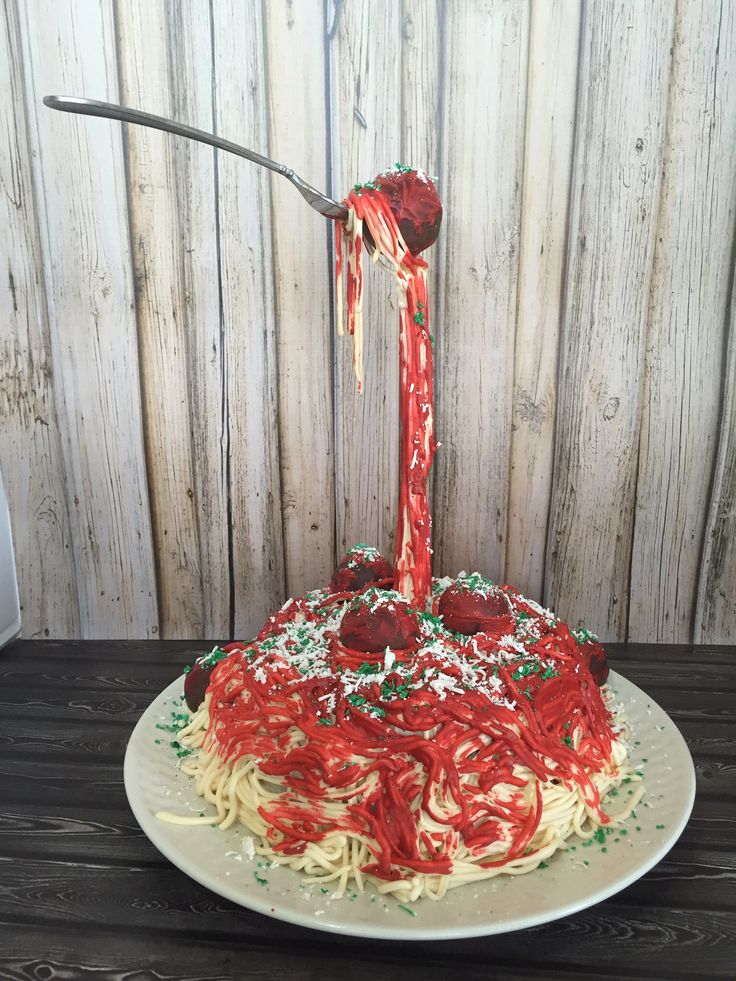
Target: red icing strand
(412, 563)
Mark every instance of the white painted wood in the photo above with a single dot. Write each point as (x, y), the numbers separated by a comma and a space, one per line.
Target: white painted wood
(78, 172)
(365, 72)
(422, 27)
(30, 442)
(158, 240)
(247, 282)
(302, 270)
(715, 614)
(483, 137)
(548, 148)
(685, 341)
(262, 460)
(616, 183)
(191, 67)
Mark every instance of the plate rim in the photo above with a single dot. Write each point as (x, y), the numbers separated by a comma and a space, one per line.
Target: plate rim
(154, 831)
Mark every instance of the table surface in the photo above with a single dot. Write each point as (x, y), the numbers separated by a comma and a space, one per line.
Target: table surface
(83, 893)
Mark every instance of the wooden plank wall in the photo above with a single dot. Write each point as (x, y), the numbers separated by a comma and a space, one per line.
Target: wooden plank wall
(180, 435)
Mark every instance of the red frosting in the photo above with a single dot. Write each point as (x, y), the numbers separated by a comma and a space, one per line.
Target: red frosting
(195, 685)
(416, 205)
(357, 570)
(465, 611)
(597, 662)
(372, 627)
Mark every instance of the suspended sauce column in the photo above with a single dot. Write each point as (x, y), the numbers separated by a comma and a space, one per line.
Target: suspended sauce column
(401, 213)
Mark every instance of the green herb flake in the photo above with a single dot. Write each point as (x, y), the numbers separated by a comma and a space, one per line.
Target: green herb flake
(407, 909)
(260, 879)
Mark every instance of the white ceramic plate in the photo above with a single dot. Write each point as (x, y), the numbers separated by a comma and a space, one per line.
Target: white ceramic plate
(217, 860)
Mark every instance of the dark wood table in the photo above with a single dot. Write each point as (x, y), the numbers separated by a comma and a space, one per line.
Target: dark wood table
(83, 893)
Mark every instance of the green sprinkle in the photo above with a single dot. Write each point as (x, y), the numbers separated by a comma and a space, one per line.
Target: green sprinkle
(599, 836)
(419, 318)
(323, 890)
(259, 879)
(369, 668)
(406, 909)
(567, 741)
(157, 741)
(325, 722)
(586, 862)
(543, 865)
(357, 700)
(604, 849)
(659, 827)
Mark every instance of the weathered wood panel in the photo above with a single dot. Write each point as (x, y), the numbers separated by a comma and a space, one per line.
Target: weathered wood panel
(548, 147)
(248, 317)
(365, 82)
(158, 235)
(422, 29)
(616, 180)
(580, 299)
(30, 440)
(295, 46)
(715, 614)
(690, 290)
(484, 89)
(80, 185)
(191, 68)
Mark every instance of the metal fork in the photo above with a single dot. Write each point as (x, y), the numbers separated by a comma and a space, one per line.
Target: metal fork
(109, 110)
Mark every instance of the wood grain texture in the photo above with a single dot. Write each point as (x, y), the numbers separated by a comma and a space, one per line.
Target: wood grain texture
(248, 317)
(365, 82)
(181, 437)
(422, 28)
(690, 290)
(548, 149)
(158, 235)
(191, 68)
(295, 49)
(30, 436)
(484, 87)
(625, 52)
(715, 613)
(80, 185)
